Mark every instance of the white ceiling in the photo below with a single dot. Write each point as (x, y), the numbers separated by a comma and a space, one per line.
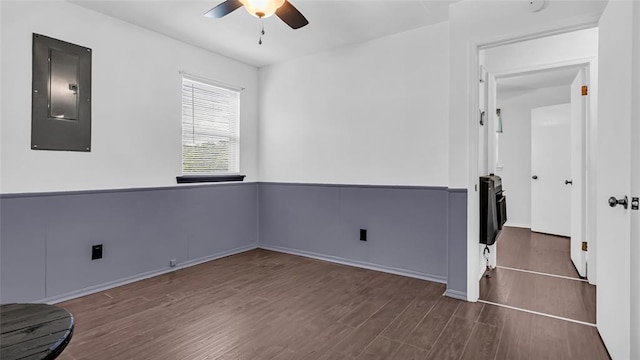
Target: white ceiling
(332, 23)
(541, 79)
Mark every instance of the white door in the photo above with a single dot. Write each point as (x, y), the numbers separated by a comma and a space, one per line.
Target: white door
(578, 120)
(613, 177)
(635, 191)
(550, 167)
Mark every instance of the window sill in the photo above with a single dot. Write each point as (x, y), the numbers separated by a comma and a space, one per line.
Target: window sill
(188, 179)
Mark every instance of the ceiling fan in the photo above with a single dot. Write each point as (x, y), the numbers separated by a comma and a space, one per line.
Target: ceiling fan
(262, 9)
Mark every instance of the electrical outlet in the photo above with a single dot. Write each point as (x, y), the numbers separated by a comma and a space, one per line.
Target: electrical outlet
(363, 234)
(96, 252)
(173, 262)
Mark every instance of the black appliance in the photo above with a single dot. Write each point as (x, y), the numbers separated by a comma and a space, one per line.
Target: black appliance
(493, 208)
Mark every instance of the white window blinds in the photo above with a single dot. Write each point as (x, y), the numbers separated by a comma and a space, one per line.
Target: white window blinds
(210, 129)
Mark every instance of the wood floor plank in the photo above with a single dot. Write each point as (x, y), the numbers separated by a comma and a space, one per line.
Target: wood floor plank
(515, 340)
(363, 312)
(66, 355)
(428, 330)
(523, 249)
(469, 310)
(598, 349)
(483, 343)
(287, 354)
(400, 328)
(317, 344)
(550, 295)
(551, 333)
(332, 355)
(453, 339)
(409, 352)
(361, 337)
(381, 348)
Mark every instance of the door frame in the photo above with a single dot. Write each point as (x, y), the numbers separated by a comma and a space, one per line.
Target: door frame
(591, 68)
(475, 265)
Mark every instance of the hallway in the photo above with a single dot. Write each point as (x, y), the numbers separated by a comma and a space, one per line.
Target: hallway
(534, 273)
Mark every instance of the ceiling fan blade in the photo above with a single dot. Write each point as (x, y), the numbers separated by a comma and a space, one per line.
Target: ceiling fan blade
(291, 16)
(223, 9)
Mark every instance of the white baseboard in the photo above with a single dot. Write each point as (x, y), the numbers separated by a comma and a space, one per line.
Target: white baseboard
(355, 263)
(524, 226)
(456, 294)
(334, 259)
(142, 276)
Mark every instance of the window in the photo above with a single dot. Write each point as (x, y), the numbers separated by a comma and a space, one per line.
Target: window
(210, 129)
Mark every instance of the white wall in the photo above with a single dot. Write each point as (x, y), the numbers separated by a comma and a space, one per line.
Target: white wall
(136, 104)
(514, 151)
(372, 113)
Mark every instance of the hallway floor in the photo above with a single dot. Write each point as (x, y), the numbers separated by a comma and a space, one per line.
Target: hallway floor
(521, 248)
(535, 273)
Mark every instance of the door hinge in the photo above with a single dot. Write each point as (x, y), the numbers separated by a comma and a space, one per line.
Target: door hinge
(584, 246)
(585, 90)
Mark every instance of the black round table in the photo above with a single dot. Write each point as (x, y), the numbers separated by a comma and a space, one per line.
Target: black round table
(33, 331)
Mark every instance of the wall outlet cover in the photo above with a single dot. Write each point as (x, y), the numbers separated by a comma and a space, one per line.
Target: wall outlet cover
(96, 252)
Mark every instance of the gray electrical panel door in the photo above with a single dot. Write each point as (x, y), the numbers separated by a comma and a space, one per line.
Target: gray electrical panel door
(61, 96)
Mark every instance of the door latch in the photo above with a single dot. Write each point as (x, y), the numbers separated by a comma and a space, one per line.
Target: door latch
(635, 203)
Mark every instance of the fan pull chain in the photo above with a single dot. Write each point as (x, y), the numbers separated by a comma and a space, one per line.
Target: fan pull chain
(261, 31)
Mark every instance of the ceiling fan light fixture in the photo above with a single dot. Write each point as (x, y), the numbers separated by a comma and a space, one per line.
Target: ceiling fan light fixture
(262, 8)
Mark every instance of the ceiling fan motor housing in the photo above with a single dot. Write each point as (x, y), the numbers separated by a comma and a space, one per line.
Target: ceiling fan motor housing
(262, 8)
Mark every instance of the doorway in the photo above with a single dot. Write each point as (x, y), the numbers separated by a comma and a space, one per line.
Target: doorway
(537, 73)
(540, 151)
(610, 165)
(536, 138)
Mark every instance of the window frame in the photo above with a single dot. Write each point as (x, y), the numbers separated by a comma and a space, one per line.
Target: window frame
(221, 176)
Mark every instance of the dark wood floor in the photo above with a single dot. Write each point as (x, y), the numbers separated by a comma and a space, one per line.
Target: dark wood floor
(266, 305)
(523, 249)
(550, 295)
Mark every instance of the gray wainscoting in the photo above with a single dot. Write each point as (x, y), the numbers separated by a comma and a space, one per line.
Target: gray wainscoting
(408, 227)
(46, 239)
(457, 250)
